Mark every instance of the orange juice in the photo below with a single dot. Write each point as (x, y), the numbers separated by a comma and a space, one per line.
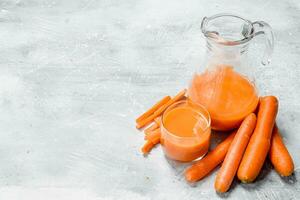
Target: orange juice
(228, 96)
(185, 131)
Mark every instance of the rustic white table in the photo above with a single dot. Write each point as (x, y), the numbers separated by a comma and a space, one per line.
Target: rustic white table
(75, 74)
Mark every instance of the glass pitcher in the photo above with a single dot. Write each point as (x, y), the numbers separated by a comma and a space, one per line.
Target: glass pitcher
(224, 84)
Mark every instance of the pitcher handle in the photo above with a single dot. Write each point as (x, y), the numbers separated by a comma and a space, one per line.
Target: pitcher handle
(261, 27)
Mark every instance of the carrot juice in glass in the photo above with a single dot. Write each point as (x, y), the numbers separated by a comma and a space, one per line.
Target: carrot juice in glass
(185, 131)
(225, 83)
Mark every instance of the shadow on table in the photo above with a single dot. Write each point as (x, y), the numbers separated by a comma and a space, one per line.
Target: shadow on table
(291, 180)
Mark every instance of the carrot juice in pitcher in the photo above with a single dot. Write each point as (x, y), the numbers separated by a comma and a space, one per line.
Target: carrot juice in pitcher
(224, 85)
(227, 95)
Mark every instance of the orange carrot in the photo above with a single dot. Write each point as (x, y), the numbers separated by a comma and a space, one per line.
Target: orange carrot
(259, 143)
(158, 112)
(279, 155)
(146, 121)
(150, 144)
(179, 96)
(204, 166)
(158, 121)
(234, 155)
(154, 126)
(153, 108)
(154, 134)
(156, 140)
(151, 128)
(147, 147)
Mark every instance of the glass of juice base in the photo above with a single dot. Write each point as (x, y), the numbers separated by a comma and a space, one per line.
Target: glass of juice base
(185, 131)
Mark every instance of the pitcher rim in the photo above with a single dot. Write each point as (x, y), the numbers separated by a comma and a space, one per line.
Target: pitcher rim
(222, 41)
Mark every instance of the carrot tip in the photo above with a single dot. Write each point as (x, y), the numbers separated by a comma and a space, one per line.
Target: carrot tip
(222, 194)
(246, 181)
(286, 175)
(147, 147)
(189, 178)
(138, 126)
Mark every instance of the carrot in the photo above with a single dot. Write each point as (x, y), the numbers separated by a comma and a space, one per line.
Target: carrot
(158, 121)
(279, 155)
(235, 153)
(158, 112)
(146, 121)
(153, 108)
(150, 144)
(154, 126)
(147, 147)
(155, 140)
(151, 128)
(204, 166)
(153, 134)
(260, 141)
(179, 96)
